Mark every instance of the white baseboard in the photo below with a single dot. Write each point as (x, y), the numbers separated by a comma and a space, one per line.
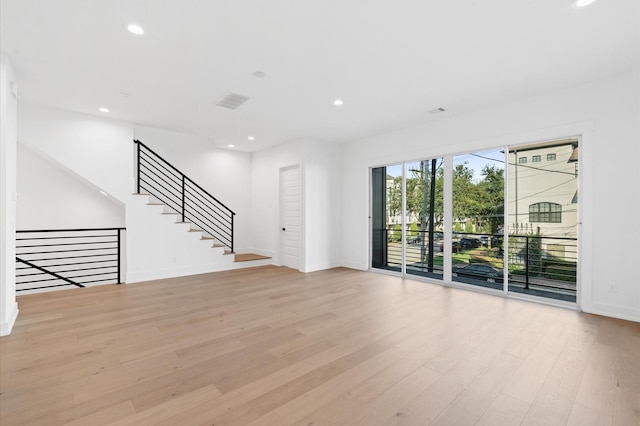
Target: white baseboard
(159, 274)
(268, 253)
(6, 327)
(354, 265)
(612, 311)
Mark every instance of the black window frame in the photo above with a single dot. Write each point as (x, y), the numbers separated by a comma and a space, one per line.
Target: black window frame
(545, 212)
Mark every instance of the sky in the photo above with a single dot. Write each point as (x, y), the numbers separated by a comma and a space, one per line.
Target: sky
(475, 161)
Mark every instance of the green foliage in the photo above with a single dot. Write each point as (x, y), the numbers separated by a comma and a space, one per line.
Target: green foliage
(394, 196)
(413, 230)
(520, 245)
(457, 227)
(481, 201)
(492, 197)
(421, 176)
(396, 234)
(535, 255)
(468, 227)
(561, 273)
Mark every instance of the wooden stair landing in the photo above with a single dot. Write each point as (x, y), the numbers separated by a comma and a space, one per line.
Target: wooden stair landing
(246, 257)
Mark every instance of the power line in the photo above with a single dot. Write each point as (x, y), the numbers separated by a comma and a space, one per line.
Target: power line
(524, 165)
(545, 190)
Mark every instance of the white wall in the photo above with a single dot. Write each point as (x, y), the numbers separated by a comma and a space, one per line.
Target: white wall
(265, 194)
(605, 113)
(321, 181)
(225, 174)
(323, 205)
(100, 152)
(158, 248)
(98, 149)
(8, 194)
(53, 197)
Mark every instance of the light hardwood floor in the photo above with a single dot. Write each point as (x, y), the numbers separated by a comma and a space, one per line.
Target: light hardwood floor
(270, 346)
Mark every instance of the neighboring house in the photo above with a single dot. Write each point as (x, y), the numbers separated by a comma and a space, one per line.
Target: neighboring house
(543, 182)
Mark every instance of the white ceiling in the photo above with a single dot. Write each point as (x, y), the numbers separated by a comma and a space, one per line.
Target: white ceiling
(390, 61)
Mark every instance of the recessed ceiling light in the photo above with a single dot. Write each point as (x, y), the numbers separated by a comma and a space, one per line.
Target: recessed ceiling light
(251, 138)
(577, 4)
(230, 146)
(103, 109)
(135, 29)
(338, 102)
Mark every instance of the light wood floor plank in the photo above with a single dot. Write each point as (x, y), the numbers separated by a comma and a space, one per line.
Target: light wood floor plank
(271, 346)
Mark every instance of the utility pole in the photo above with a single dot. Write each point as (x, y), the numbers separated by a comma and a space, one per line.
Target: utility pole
(432, 205)
(515, 162)
(423, 217)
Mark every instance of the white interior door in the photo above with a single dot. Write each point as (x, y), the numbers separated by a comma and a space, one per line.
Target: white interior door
(291, 213)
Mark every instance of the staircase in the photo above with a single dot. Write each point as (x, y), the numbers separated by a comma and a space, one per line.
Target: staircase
(185, 203)
(168, 186)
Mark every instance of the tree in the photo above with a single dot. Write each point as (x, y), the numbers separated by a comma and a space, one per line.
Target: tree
(394, 191)
(491, 189)
(466, 203)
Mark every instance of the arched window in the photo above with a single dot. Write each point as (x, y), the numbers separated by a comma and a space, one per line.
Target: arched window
(545, 212)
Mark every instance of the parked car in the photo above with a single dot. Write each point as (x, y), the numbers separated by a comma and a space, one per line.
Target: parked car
(469, 243)
(414, 239)
(483, 271)
(484, 240)
(455, 246)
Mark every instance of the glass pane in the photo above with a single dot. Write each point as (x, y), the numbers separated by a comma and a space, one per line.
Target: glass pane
(386, 217)
(424, 216)
(543, 221)
(478, 219)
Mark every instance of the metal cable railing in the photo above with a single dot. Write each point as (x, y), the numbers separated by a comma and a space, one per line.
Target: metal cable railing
(160, 179)
(48, 258)
(536, 264)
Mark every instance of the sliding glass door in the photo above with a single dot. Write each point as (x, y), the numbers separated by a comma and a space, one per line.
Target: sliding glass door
(543, 219)
(386, 218)
(406, 218)
(524, 242)
(423, 206)
(478, 219)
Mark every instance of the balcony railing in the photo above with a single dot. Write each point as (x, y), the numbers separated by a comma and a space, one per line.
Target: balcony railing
(548, 263)
(68, 257)
(538, 265)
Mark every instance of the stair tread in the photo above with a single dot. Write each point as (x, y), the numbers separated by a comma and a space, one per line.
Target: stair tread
(247, 257)
(243, 257)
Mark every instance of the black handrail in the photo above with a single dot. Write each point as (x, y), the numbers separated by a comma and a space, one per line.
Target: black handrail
(192, 202)
(62, 255)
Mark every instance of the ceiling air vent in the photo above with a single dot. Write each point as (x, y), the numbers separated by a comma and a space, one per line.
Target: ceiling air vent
(232, 101)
